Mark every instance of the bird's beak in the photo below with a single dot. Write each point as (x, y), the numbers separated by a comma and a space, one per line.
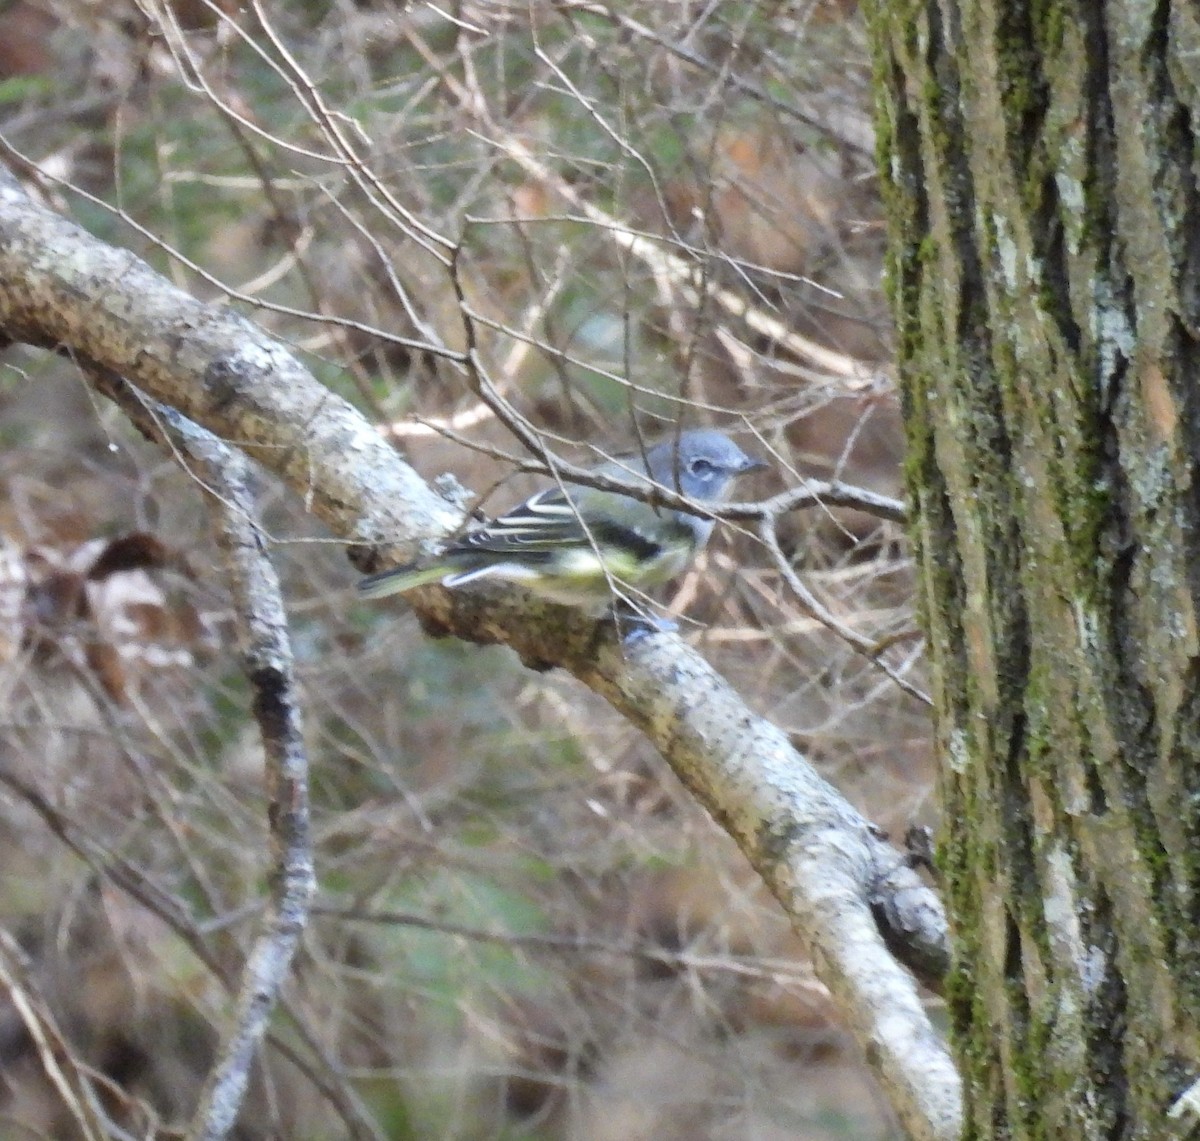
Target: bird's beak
(753, 465)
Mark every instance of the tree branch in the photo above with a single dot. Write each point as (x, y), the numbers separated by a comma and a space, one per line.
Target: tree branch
(267, 660)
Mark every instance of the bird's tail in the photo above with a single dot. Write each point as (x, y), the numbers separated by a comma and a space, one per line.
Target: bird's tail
(401, 579)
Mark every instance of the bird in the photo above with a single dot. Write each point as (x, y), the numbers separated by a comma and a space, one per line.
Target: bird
(578, 545)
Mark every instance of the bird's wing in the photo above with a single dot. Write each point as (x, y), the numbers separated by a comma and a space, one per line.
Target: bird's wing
(544, 522)
(550, 522)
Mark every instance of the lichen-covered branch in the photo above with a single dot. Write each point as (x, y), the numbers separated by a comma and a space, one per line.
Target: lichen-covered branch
(267, 658)
(261, 624)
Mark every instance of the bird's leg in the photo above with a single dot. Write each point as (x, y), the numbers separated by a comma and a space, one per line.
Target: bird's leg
(634, 624)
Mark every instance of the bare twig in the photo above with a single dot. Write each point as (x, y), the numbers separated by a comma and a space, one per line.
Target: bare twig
(781, 971)
(865, 646)
(60, 1063)
(853, 374)
(819, 493)
(861, 140)
(267, 660)
(130, 879)
(267, 657)
(813, 492)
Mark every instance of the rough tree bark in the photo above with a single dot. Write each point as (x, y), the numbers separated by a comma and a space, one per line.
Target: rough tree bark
(1041, 160)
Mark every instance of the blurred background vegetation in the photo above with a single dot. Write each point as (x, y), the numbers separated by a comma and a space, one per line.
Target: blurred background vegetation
(636, 214)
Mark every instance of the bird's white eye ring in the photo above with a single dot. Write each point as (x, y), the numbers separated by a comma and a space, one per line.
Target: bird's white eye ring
(701, 466)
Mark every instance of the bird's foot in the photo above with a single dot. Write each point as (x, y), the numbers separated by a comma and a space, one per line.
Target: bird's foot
(634, 625)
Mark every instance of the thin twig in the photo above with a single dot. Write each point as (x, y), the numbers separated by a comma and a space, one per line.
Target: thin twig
(60, 1063)
(864, 645)
(780, 971)
(136, 883)
(854, 374)
(267, 660)
(863, 142)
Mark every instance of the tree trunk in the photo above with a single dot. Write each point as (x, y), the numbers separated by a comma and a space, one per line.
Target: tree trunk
(1045, 231)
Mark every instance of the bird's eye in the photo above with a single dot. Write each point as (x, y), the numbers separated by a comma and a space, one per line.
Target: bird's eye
(701, 467)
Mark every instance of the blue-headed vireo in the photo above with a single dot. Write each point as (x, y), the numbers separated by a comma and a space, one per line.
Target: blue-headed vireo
(576, 544)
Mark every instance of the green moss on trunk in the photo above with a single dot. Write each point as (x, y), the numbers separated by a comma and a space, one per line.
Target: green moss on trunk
(1038, 165)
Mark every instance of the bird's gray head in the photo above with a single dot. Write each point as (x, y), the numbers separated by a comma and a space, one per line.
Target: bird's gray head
(701, 464)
